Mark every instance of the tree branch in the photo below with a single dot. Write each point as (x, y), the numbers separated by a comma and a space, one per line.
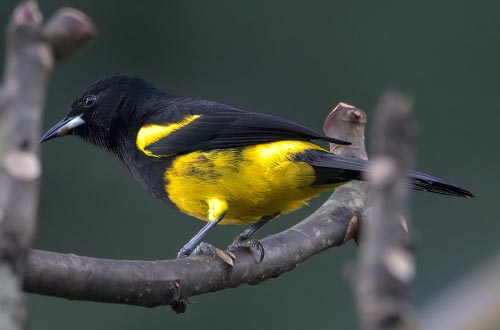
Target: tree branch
(29, 61)
(386, 266)
(168, 282)
(471, 302)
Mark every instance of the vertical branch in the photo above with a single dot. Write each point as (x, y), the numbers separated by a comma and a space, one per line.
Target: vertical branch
(31, 50)
(386, 264)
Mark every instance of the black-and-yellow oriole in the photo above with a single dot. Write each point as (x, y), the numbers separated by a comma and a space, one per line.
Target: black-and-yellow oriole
(212, 161)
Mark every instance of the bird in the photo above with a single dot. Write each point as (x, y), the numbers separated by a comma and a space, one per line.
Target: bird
(212, 161)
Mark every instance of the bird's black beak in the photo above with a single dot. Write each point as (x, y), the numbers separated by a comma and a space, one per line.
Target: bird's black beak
(62, 128)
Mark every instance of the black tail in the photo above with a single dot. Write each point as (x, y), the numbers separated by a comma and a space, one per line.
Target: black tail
(335, 169)
(426, 182)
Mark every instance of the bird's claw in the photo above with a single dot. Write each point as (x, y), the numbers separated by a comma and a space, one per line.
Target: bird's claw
(248, 244)
(204, 248)
(208, 249)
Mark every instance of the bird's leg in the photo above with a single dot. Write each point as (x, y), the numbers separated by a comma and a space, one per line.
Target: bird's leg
(189, 248)
(243, 239)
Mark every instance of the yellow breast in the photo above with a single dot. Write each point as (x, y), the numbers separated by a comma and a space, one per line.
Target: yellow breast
(245, 184)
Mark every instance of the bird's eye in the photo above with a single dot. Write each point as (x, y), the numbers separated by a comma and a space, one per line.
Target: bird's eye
(89, 101)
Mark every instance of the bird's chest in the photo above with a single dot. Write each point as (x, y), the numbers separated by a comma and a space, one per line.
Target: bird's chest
(254, 182)
(150, 173)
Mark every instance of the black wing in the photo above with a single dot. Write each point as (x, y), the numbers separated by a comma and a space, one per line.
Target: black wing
(221, 126)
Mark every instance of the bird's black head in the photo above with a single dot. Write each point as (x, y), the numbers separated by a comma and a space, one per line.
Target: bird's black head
(108, 110)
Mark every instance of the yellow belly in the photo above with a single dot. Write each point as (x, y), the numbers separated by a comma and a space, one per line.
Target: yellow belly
(244, 184)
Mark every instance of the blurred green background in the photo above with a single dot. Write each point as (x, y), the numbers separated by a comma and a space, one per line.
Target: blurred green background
(297, 60)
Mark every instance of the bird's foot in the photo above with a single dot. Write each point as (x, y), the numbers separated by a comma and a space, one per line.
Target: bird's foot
(253, 243)
(208, 249)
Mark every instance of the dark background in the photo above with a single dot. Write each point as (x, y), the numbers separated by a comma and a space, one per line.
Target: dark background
(297, 60)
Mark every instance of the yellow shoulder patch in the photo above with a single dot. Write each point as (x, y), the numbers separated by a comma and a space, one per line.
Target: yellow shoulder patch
(153, 133)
